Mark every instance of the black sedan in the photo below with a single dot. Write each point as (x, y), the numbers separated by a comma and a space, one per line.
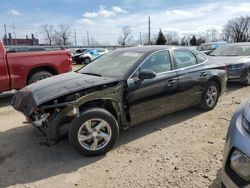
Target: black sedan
(121, 89)
(237, 57)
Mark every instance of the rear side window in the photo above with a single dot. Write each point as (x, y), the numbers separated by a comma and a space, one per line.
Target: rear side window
(184, 59)
(200, 57)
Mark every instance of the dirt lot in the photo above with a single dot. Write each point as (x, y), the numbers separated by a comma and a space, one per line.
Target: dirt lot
(183, 149)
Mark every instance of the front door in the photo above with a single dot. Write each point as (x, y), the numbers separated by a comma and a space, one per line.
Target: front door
(151, 98)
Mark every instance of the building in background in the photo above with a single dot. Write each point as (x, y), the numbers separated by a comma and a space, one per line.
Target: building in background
(20, 42)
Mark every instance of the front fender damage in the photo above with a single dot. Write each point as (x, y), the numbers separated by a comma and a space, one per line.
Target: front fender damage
(55, 125)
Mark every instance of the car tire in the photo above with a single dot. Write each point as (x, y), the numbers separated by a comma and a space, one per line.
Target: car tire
(210, 96)
(246, 78)
(78, 62)
(40, 75)
(87, 60)
(94, 132)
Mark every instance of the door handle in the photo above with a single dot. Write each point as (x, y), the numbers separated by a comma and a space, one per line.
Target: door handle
(171, 82)
(203, 74)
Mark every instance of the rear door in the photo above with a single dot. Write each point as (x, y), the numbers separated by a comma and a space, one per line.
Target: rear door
(192, 75)
(148, 99)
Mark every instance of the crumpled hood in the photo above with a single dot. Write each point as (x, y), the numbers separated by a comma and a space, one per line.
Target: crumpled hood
(247, 110)
(28, 98)
(229, 60)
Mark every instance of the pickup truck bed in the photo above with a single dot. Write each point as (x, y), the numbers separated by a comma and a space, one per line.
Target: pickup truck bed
(20, 69)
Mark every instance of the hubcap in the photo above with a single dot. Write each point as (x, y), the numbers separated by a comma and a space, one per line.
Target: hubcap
(42, 77)
(94, 134)
(212, 95)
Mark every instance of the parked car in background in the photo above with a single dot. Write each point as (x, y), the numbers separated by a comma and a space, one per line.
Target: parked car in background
(20, 69)
(90, 55)
(208, 48)
(25, 49)
(77, 53)
(236, 163)
(237, 57)
(118, 90)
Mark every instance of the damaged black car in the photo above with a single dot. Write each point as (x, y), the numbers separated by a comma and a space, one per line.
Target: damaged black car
(120, 89)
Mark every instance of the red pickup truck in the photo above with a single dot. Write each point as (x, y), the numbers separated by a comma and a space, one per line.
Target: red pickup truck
(20, 69)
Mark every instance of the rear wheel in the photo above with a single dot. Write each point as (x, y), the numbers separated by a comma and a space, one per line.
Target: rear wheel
(210, 96)
(94, 133)
(40, 75)
(87, 60)
(246, 78)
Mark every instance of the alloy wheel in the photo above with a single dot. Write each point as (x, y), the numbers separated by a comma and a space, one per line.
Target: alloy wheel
(94, 134)
(212, 94)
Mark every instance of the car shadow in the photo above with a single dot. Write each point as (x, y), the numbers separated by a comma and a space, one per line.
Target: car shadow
(23, 159)
(217, 182)
(233, 86)
(5, 98)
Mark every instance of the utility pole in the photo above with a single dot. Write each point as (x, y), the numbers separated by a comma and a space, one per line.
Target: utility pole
(14, 32)
(88, 37)
(7, 42)
(140, 39)
(149, 42)
(75, 37)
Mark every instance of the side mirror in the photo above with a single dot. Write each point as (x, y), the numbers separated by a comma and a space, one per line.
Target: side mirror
(146, 74)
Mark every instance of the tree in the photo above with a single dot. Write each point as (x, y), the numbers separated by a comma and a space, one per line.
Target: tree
(172, 38)
(48, 31)
(193, 41)
(62, 35)
(161, 40)
(126, 36)
(237, 29)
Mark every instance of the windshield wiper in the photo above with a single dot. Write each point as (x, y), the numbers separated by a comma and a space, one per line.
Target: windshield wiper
(92, 74)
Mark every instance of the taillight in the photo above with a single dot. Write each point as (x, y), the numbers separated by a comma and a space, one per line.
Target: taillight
(69, 59)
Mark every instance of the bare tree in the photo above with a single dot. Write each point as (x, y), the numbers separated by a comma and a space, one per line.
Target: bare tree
(48, 31)
(237, 29)
(172, 38)
(126, 36)
(62, 35)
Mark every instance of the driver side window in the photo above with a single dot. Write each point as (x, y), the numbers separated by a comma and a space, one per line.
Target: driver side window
(158, 62)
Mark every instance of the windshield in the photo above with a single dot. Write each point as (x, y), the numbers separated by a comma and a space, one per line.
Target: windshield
(232, 50)
(203, 47)
(113, 64)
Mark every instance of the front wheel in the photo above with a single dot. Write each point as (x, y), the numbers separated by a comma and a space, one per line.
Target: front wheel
(94, 132)
(210, 96)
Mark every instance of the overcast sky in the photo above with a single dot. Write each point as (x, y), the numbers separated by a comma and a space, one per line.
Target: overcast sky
(104, 18)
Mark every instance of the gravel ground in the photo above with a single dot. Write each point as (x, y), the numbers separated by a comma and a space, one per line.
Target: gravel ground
(183, 149)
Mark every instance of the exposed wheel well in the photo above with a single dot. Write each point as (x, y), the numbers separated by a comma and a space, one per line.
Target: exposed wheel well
(216, 80)
(45, 68)
(101, 103)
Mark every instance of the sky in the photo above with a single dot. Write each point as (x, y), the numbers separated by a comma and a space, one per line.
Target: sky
(103, 19)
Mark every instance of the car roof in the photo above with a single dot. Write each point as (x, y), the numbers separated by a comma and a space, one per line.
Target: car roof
(152, 48)
(239, 44)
